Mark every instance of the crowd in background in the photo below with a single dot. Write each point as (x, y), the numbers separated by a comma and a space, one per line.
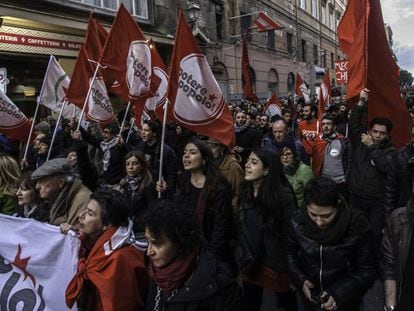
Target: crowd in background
(314, 211)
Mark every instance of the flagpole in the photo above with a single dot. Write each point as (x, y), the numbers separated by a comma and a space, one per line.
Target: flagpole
(87, 95)
(36, 110)
(130, 129)
(164, 123)
(124, 118)
(55, 130)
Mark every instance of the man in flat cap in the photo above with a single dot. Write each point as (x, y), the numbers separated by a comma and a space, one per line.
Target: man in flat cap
(66, 194)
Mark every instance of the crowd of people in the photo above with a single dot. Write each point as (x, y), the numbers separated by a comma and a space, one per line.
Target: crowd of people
(314, 212)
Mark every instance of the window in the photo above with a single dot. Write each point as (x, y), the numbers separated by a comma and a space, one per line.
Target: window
(315, 54)
(331, 18)
(332, 61)
(304, 52)
(303, 4)
(219, 21)
(245, 23)
(323, 11)
(315, 8)
(135, 7)
(291, 82)
(271, 39)
(289, 43)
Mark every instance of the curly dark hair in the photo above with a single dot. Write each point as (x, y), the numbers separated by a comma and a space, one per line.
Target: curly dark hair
(114, 207)
(176, 223)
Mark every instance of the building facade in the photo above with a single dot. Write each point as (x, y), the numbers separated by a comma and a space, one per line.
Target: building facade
(32, 30)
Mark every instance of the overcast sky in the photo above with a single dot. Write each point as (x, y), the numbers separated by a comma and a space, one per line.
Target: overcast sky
(399, 14)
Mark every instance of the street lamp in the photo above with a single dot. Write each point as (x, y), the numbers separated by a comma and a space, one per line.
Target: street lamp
(193, 11)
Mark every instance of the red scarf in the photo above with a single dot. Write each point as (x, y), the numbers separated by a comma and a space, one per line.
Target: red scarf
(175, 274)
(114, 269)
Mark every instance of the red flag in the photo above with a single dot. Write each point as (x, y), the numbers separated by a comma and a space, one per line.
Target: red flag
(246, 81)
(362, 36)
(99, 107)
(273, 106)
(198, 102)
(84, 69)
(155, 103)
(265, 23)
(324, 96)
(127, 56)
(13, 123)
(301, 89)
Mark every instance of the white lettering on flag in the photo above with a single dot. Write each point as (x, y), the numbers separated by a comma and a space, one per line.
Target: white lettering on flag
(100, 107)
(197, 89)
(138, 75)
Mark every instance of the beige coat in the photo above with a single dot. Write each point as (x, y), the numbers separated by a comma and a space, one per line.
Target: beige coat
(234, 174)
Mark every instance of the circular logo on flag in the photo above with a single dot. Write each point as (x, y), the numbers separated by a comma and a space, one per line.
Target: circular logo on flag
(138, 75)
(10, 116)
(199, 98)
(159, 98)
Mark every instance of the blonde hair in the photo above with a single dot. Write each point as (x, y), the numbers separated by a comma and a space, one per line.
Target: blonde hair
(9, 174)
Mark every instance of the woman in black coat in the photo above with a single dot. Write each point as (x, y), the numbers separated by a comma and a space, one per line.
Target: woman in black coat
(138, 187)
(185, 275)
(266, 202)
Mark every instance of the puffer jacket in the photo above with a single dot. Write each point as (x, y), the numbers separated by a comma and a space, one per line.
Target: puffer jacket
(368, 165)
(396, 245)
(398, 187)
(345, 270)
(210, 288)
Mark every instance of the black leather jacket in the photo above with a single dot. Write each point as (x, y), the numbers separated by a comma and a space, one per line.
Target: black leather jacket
(396, 245)
(345, 270)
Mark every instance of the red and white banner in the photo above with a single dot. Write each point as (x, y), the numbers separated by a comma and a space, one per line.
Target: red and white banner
(341, 71)
(13, 122)
(301, 89)
(194, 92)
(273, 106)
(265, 23)
(35, 269)
(54, 88)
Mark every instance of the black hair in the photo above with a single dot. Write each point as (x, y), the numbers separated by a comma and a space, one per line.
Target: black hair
(270, 193)
(113, 128)
(382, 121)
(114, 207)
(176, 223)
(146, 172)
(313, 108)
(329, 117)
(214, 178)
(321, 191)
(286, 110)
(155, 127)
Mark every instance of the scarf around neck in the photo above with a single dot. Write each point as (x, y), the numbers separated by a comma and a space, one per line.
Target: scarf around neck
(132, 183)
(335, 231)
(98, 259)
(292, 167)
(241, 128)
(106, 148)
(175, 274)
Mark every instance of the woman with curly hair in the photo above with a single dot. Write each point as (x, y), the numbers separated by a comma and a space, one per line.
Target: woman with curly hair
(203, 189)
(184, 274)
(9, 174)
(266, 202)
(137, 186)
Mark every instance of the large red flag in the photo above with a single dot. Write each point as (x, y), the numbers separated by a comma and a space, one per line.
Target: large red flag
(324, 96)
(273, 106)
(13, 123)
(127, 57)
(246, 81)
(301, 89)
(99, 107)
(198, 102)
(362, 36)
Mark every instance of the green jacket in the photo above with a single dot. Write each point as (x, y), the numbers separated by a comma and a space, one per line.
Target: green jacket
(8, 204)
(298, 179)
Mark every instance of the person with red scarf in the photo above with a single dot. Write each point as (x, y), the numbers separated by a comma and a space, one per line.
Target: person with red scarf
(111, 272)
(185, 275)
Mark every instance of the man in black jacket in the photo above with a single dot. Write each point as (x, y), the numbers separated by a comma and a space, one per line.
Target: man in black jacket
(371, 153)
(329, 250)
(398, 188)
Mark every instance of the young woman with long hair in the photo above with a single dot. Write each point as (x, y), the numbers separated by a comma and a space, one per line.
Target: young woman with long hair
(9, 174)
(266, 202)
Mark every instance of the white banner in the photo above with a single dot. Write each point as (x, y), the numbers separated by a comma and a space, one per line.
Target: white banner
(37, 263)
(139, 66)
(100, 107)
